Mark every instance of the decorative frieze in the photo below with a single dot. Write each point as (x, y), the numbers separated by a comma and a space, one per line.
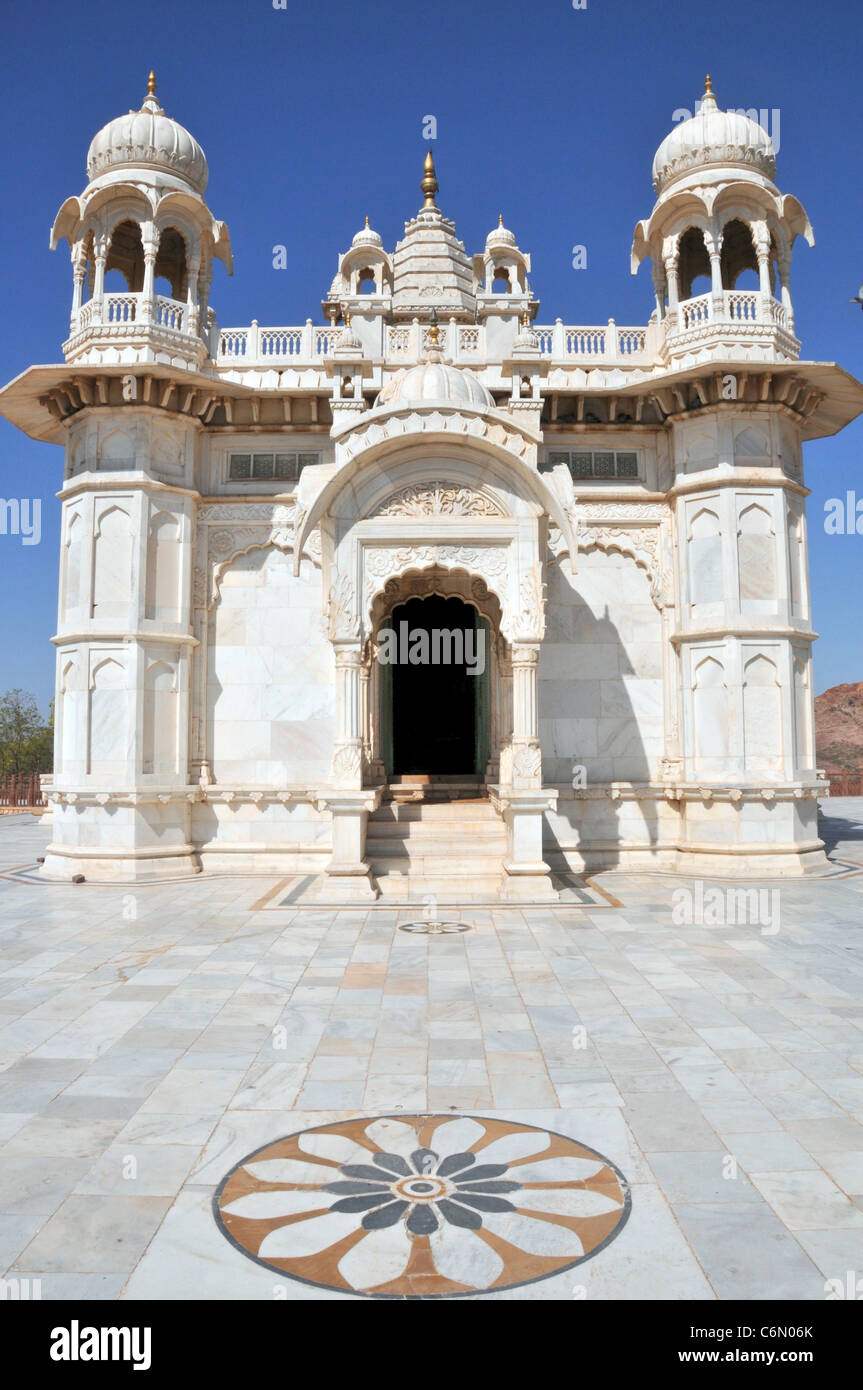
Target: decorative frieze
(438, 498)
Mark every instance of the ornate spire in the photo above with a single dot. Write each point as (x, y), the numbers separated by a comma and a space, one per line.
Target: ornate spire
(151, 101)
(708, 101)
(429, 184)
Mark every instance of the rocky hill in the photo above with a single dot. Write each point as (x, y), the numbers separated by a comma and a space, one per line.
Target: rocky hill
(839, 728)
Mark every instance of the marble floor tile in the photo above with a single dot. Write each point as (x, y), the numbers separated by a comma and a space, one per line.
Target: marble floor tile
(330, 1095)
(139, 1063)
(71, 1137)
(94, 1234)
(747, 1253)
(773, 1151)
(701, 1177)
(192, 1089)
(846, 1170)
(139, 1170)
(809, 1201)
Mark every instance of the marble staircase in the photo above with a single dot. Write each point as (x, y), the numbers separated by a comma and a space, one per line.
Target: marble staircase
(448, 849)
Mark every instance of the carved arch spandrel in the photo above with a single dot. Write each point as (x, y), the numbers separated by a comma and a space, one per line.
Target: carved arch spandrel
(488, 564)
(226, 532)
(644, 546)
(440, 582)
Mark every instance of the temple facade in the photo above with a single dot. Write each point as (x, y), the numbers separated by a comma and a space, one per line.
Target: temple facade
(582, 549)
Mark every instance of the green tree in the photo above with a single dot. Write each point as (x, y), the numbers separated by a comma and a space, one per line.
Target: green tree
(26, 741)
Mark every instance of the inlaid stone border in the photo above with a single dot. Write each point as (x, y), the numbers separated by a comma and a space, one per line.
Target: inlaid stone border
(422, 1205)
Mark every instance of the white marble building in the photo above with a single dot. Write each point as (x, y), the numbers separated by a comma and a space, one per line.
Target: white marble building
(619, 509)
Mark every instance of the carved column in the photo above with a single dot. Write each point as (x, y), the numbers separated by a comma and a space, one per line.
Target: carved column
(716, 291)
(523, 803)
(670, 264)
(205, 280)
(347, 769)
(148, 305)
(762, 251)
(658, 276)
(526, 758)
(348, 876)
(79, 273)
(191, 324)
(101, 256)
(783, 265)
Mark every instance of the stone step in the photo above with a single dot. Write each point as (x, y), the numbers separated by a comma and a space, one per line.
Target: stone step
(435, 830)
(438, 865)
(475, 809)
(441, 854)
(458, 892)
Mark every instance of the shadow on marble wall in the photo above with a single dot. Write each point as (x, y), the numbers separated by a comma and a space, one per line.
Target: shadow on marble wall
(600, 696)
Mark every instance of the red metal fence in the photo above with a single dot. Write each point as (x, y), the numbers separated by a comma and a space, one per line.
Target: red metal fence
(21, 790)
(846, 784)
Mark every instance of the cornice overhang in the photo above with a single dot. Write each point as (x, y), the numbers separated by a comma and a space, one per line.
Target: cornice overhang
(841, 394)
(21, 398)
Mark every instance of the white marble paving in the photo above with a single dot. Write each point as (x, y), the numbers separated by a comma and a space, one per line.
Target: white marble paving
(141, 1059)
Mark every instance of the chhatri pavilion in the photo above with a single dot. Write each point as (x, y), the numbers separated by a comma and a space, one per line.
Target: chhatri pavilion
(614, 515)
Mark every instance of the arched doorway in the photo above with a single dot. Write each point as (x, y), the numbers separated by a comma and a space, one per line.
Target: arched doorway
(434, 656)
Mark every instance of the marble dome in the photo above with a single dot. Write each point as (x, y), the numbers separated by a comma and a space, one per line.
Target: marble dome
(435, 380)
(150, 139)
(499, 236)
(713, 137)
(366, 236)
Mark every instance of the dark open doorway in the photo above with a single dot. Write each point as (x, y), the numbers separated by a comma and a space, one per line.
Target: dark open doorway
(435, 712)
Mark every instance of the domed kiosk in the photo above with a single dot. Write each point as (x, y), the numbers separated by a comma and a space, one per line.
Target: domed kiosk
(718, 215)
(142, 221)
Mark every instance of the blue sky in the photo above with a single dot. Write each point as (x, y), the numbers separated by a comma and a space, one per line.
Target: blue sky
(311, 118)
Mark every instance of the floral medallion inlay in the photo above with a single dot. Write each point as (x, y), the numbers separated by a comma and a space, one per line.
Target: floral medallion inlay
(419, 1206)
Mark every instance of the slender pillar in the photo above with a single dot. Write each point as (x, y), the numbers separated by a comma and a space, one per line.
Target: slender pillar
(347, 755)
(205, 279)
(191, 324)
(365, 713)
(762, 252)
(79, 274)
(783, 264)
(148, 298)
(526, 759)
(99, 280)
(765, 294)
(716, 290)
(658, 276)
(523, 802)
(348, 876)
(670, 263)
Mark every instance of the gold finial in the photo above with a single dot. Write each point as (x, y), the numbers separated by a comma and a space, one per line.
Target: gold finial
(429, 184)
(708, 86)
(434, 331)
(525, 319)
(151, 84)
(347, 318)
(367, 219)
(500, 219)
